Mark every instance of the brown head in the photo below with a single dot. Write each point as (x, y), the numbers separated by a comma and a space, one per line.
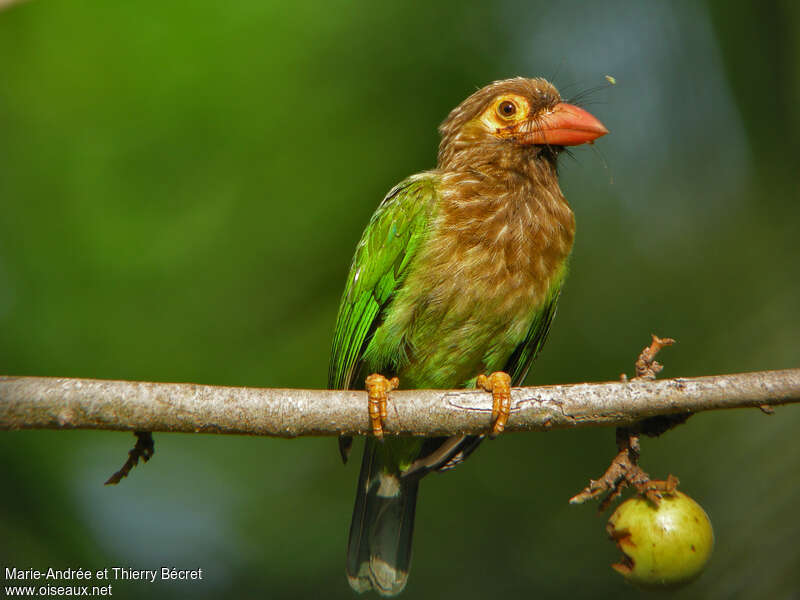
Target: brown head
(510, 121)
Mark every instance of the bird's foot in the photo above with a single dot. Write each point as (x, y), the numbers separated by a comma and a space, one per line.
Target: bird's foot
(378, 388)
(499, 384)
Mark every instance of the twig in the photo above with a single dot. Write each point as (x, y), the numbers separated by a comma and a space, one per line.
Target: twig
(646, 365)
(144, 449)
(54, 403)
(624, 470)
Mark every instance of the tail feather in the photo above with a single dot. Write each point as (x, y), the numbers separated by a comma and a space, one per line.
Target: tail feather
(379, 547)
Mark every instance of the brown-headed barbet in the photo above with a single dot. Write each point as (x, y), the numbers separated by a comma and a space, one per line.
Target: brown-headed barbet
(456, 276)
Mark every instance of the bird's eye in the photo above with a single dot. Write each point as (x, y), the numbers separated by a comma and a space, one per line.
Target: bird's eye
(506, 109)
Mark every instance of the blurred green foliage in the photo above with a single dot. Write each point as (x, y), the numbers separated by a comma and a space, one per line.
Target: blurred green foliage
(181, 189)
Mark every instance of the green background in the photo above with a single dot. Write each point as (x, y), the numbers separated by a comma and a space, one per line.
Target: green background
(182, 186)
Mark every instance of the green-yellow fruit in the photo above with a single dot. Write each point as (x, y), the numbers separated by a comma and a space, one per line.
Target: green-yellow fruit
(663, 546)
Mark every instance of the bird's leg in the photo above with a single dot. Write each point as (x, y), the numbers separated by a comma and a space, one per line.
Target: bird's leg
(499, 384)
(378, 388)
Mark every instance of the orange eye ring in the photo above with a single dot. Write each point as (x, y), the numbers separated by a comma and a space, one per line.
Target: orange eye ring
(506, 109)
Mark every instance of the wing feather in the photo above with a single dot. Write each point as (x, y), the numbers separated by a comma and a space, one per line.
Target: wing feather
(379, 267)
(520, 361)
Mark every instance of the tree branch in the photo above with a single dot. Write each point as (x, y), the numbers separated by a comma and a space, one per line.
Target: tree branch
(58, 403)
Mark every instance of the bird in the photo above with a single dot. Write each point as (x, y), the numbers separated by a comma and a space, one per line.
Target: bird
(453, 284)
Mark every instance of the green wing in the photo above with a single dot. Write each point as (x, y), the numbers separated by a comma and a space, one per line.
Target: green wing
(521, 360)
(379, 266)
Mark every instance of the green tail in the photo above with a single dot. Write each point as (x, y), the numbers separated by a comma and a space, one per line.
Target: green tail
(379, 547)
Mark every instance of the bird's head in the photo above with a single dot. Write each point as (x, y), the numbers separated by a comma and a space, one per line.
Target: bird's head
(512, 115)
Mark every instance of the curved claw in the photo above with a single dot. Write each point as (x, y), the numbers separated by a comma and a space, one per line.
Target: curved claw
(378, 388)
(499, 384)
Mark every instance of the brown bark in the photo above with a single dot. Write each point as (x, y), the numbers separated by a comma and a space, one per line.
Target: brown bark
(56, 403)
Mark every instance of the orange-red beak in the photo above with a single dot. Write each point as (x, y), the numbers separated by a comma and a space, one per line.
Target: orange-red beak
(566, 125)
